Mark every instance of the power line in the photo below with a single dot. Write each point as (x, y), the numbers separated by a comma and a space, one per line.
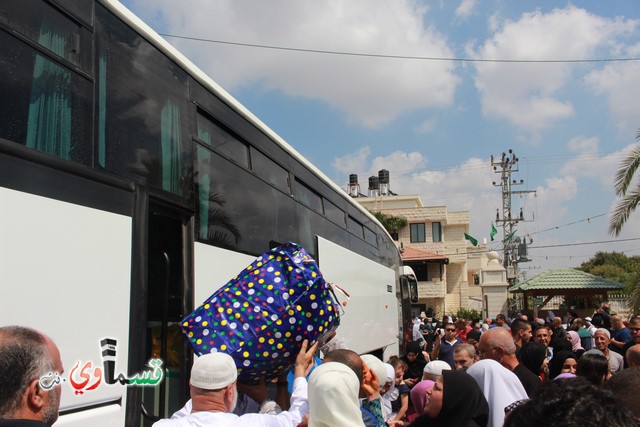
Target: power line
(421, 58)
(583, 243)
(561, 245)
(570, 223)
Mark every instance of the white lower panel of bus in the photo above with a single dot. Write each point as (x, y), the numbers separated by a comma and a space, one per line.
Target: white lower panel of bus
(65, 270)
(370, 321)
(214, 267)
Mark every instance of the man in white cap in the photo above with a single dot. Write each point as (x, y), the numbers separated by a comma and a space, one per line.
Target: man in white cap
(214, 395)
(433, 370)
(603, 338)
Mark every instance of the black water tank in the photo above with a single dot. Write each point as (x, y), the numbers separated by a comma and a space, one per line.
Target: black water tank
(383, 176)
(374, 184)
(353, 179)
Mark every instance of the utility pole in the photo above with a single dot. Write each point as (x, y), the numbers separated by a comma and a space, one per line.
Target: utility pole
(515, 250)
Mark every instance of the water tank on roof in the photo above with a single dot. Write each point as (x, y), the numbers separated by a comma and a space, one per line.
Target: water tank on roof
(374, 186)
(354, 187)
(383, 178)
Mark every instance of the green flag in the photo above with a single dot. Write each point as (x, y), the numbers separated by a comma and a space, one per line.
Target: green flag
(493, 231)
(473, 240)
(509, 236)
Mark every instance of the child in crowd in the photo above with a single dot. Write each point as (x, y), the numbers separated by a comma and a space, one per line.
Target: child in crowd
(400, 398)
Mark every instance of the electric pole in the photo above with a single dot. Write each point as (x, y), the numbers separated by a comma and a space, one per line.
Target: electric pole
(515, 250)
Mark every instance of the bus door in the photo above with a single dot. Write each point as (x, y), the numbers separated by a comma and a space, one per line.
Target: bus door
(168, 299)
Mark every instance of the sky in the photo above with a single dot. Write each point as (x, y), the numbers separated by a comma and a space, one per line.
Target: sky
(430, 90)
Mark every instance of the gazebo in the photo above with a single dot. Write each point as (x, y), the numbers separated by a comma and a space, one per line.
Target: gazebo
(563, 282)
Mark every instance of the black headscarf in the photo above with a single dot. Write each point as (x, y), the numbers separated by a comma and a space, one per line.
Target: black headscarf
(416, 367)
(532, 355)
(463, 404)
(555, 364)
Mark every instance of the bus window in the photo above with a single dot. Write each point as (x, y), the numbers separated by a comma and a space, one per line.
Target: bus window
(222, 142)
(307, 196)
(370, 237)
(45, 106)
(270, 171)
(237, 210)
(354, 227)
(143, 121)
(334, 213)
(44, 25)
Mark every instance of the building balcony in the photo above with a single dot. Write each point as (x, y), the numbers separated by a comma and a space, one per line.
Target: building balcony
(432, 289)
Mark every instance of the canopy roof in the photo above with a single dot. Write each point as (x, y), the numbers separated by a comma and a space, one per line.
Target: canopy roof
(413, 254)
(566, 282)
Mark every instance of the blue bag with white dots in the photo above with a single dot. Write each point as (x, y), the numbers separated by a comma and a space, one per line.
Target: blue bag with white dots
(262, 315)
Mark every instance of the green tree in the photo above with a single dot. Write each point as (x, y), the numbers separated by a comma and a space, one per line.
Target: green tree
(627, 190)
(618, 267)
(393, 224)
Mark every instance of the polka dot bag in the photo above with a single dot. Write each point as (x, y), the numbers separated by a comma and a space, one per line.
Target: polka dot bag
(262, 315)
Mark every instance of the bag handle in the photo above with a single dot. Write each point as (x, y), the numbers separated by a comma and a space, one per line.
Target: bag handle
(333, 287)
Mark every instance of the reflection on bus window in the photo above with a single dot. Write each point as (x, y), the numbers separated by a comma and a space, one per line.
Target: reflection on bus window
(143, 127)
(269, 170)
(55, 116)
(307, 196)
(222, 142)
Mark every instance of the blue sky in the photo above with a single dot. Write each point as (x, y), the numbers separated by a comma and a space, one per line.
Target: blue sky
(434, 124)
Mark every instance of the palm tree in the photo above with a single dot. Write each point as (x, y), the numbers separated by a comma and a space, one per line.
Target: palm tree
(629, 194)
(630, 198)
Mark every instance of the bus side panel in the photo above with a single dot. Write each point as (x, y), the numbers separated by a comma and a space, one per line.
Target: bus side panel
(65, 270)
(214, 267)
(370, 321)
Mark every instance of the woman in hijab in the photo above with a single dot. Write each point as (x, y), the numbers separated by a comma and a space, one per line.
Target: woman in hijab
(500, 387)
(576, 345)
(419, 395)
(533, 355)
(561, 363)
(415, 362)
(333, 397)
(454, 400)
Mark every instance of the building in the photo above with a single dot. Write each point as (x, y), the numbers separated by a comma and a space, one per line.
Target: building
(433, 244)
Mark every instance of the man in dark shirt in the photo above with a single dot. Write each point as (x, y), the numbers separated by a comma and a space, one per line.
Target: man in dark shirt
(443, 347)
(497, 344)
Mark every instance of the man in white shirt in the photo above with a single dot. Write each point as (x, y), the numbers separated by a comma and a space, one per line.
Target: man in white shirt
(214, 395)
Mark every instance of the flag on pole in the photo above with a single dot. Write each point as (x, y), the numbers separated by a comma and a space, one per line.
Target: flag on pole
(493, 231)
(509, 236)
(473, 240)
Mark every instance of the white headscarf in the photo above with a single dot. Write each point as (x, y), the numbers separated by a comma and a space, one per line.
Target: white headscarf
(500, 387)
(333, 397)
(391, 394)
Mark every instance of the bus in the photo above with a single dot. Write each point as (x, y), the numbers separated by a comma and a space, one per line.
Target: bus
(132, 186)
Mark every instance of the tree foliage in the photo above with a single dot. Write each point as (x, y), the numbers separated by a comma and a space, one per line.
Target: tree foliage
(626, 189)
(391, 223)
(618, 267)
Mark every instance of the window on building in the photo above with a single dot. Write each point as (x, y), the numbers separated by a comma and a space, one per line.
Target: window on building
(437, 231)
(417, 233)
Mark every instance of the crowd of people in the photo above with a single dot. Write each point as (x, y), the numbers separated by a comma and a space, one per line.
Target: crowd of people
(499, 372)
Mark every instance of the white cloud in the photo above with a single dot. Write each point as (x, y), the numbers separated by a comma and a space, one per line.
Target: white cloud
(588, 162)
(466, 8)
(352, 162)
(553, 198)
(426, 126)
(529, 95)
(620, 84)
(371, 91)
